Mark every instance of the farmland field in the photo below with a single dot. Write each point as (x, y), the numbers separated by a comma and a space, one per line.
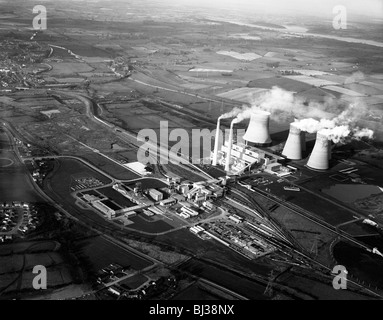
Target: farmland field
(312, 81)
(344, 91)
(242, 94)
(135, 281)
(70, 168)
(101, 253)
(248, 56)
(109, 167)
(153, 227)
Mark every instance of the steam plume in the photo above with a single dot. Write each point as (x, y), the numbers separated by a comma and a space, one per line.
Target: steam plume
(283, 105)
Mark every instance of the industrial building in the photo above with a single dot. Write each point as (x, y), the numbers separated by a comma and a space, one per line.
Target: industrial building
(189, 211)
(168, 202)
(237, 157)
(135, 197)
(203, 191)
(130, 214)
(208, 205)
(184, 215)
(155, 194)
(109, 212)
(235, 218)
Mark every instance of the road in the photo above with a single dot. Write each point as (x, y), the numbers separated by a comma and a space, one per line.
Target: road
(163, 152)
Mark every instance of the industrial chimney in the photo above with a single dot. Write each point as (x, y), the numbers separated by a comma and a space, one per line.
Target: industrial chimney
(230, 145)
(319, 158)
(258, 130)
(294, 144)
(216, 143)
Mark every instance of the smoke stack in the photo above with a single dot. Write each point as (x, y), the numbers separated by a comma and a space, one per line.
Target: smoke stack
(216, 142)
(230, 146)
(294, 144)
(319, 158)
(258, 130)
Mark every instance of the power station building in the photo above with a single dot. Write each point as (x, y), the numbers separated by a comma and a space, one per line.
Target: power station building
(237, 157)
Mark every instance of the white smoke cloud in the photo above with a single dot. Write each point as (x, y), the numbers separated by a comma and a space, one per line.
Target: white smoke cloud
(340, 128)
(282, 105)
(337, 134)
(362, 133)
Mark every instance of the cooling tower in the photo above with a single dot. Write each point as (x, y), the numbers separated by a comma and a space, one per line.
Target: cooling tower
(216, 143)
(294, 143)
(258, 130)
(230, 146)
(319, 158)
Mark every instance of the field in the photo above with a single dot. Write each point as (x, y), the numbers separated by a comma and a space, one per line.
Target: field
(101, 253)
(69, 169)
(17, 248)
(110, 167)
(242, 94)
(151, 227)
(135, 281)
(17, 262)
(195, 292)
(361, 265)
(68, 68)
(312, 81)
(14, 182)
(344, 91)
(248, 56)
(241, 285)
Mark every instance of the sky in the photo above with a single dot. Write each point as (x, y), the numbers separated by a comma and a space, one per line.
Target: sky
(371, 8)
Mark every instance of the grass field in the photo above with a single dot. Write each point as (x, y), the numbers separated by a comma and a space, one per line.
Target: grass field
(194, 292)
(135, 281)
(101, 253)
(70, 168)
(248, 56)
(109, 167)
(312, 81)
(32, 246)
(144, 225)
(242, 94)
(289, 84)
